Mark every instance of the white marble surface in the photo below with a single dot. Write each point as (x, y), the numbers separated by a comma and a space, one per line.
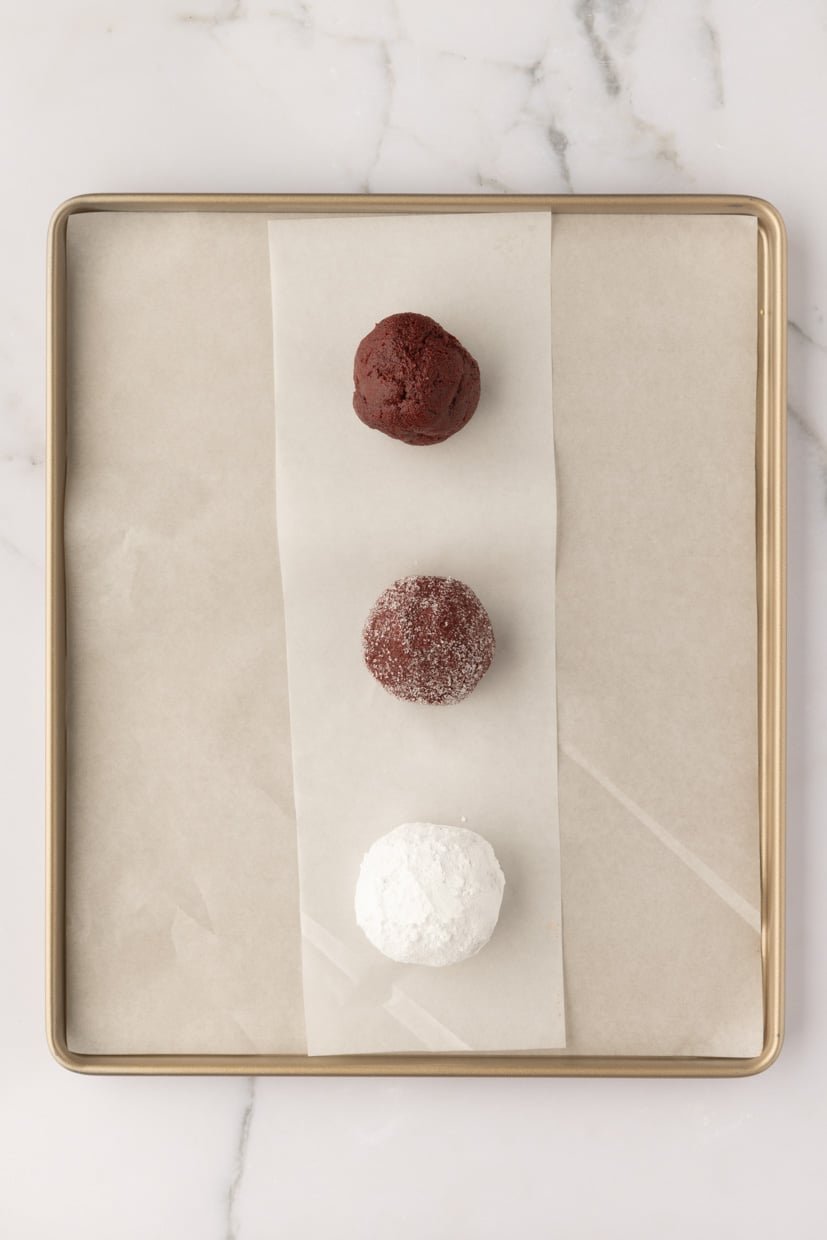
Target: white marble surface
(586, 95)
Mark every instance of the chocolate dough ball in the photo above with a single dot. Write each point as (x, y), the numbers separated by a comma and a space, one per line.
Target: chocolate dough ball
(414, 381)
(428, 639)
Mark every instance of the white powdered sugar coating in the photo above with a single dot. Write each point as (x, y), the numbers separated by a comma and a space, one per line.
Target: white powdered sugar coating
(429, 894)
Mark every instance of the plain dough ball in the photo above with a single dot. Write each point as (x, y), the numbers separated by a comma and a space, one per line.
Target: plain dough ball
(414, 381)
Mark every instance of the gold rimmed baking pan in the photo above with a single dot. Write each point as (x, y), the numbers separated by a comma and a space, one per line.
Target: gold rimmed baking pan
(770, 563)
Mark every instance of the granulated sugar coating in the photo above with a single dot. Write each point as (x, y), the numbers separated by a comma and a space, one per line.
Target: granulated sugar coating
(429, 894)
(428, 639)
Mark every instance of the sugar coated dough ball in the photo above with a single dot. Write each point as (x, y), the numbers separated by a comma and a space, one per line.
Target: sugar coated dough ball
(414, 381)
(429, 894)
(428, 639)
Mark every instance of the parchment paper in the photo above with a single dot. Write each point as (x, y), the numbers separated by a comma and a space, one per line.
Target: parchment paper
(654, 347)
(182, 927)
(356, 510)
(173, 793)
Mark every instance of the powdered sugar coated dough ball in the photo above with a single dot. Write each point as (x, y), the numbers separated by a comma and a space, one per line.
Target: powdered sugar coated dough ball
(429, 894)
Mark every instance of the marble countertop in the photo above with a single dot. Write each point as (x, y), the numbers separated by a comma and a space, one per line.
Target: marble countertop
(408, 95)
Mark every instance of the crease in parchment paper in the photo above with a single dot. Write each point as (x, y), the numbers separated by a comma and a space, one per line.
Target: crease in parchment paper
(357, 510)
(412, 1016)
(748, 912)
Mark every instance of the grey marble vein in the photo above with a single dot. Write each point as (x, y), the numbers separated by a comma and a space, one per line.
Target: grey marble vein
(232, 1230)
(808, 430)
(492, 184)
(665, 147)
(805, 336)
(560, 144)
(537, 70)
(385, 116)
(34, 460)
(812, 436)
(713, 53)
(813, 443)
(231, 11)
(12, 549)
(584, 12)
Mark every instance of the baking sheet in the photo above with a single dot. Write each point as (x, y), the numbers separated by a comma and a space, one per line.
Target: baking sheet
(654, 331)
(182, 928)
(356, 511)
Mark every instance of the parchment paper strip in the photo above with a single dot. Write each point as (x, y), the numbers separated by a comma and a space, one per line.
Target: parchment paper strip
(356, 510)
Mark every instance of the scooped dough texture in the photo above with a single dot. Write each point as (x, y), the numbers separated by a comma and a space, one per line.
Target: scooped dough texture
(414, 381)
